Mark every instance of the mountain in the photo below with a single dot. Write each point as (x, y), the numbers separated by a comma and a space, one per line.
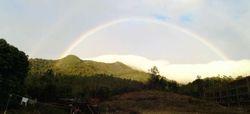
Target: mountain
(72, 65)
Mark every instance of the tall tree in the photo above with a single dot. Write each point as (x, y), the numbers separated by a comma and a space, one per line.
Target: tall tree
(155, 80)
(13, 70)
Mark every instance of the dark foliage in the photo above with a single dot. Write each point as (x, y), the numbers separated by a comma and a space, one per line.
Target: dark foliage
(13, 70)
(50, 86)
(198, 87)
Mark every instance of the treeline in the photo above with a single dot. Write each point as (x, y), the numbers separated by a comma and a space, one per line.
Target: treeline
(200, 86)
(50, 86)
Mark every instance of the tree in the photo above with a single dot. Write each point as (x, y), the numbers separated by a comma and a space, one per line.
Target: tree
(154, 70)
(13, 70)
(156, 81)
(43, 86)
(200, 86)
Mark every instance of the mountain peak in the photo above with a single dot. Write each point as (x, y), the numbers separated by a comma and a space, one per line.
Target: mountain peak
(72, 57)
(69, 60)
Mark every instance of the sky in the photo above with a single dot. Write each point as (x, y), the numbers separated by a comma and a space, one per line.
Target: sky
(183, 38)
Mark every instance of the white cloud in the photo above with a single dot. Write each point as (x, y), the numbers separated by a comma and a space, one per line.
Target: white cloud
(136, 62)
(181, 72)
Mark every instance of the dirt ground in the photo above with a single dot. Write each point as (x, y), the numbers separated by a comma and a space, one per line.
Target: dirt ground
(158, 102)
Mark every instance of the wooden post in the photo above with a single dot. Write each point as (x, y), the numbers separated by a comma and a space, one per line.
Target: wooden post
(6, 108)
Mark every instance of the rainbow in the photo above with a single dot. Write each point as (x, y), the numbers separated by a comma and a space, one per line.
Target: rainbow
(197, 37)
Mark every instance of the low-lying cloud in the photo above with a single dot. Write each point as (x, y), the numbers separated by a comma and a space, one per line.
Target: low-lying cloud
(182, 73)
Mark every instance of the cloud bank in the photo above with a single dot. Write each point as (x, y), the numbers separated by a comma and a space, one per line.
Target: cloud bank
(182, 73)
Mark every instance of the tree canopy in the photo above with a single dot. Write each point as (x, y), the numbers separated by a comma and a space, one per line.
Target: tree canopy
(13, 71)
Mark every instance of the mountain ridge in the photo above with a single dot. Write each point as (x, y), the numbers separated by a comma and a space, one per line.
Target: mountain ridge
(73, 65)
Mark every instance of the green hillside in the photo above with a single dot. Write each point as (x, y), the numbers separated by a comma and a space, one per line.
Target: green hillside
(72, 65)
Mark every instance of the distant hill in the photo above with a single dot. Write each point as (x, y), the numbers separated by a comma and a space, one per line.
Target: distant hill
(72, 65)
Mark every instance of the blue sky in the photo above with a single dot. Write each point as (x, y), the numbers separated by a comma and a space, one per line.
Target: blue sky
(46, 28)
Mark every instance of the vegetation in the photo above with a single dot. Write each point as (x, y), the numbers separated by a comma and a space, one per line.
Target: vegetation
(119, 87)
(50, 87)
(198, 87)
(13, 70)
(72, 65)
(158, 82)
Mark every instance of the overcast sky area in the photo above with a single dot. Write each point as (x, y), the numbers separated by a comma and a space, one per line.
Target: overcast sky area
(46, 28)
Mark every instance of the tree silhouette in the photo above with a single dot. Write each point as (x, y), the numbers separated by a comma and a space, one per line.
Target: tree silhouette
(13, 70)
(156, 81)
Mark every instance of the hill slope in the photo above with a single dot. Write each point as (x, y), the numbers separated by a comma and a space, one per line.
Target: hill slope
(72, 65)
(159, 102)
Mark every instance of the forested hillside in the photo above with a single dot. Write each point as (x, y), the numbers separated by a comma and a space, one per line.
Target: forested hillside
(57, 85)
(72, 65)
